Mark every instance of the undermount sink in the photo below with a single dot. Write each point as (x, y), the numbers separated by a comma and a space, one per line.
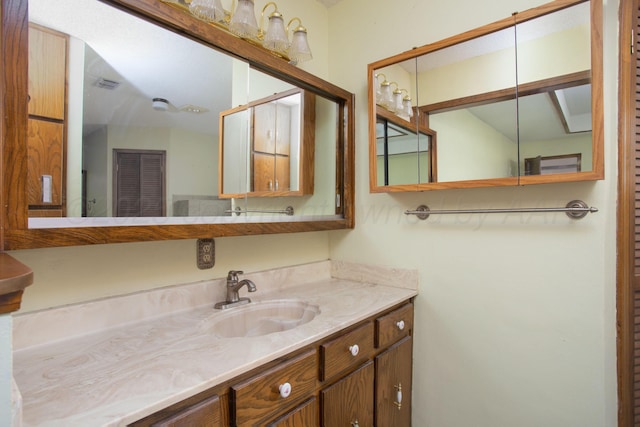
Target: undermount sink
(261, 318)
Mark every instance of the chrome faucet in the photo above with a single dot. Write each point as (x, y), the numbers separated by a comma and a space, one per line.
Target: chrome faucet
(233, 286)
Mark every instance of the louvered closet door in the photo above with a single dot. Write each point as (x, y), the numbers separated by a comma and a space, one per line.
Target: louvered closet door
(139, 183)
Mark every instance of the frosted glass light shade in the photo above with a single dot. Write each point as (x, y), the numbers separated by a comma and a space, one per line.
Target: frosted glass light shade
(243, 22)
(385, 94)
(207, 10)
(299, 50)
(407, 109)
(396, 102)
(276, 36)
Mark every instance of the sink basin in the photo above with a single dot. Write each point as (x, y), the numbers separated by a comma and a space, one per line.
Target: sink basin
(261, 318)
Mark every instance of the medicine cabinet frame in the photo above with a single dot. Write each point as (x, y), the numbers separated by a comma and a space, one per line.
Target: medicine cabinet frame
(420, 119)
(16, 233)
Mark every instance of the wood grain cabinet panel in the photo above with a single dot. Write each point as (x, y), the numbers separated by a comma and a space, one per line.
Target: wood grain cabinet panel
(204, 414)
(349, 402)
(305, 415)
(347, 351)
(47, 72)
(44, 149)
(393, 385)
(260, 397)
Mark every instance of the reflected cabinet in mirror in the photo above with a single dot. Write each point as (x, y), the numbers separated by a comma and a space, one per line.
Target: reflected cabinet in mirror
(515, 102)
(138, 121)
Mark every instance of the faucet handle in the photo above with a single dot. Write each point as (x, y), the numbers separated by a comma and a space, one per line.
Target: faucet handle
(233, 274)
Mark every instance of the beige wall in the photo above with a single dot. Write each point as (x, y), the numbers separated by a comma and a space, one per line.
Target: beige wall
(515, 320)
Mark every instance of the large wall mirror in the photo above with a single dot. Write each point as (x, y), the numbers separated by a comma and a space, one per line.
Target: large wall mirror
(134, 150)
(515, 102)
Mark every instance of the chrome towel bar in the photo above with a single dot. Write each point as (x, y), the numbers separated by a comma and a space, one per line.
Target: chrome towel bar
(575, 209)
(287, 211)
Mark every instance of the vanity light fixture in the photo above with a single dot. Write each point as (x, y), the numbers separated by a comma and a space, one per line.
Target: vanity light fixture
(241, 22)
(393, 101)
(299, 50)
(275, 38)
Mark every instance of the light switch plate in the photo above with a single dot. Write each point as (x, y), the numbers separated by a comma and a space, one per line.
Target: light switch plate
(205, 253)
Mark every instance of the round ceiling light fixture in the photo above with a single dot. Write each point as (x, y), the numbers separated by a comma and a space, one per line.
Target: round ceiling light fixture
(160, 104)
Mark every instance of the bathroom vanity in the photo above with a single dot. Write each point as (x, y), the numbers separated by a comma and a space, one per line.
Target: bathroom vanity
(162, 358)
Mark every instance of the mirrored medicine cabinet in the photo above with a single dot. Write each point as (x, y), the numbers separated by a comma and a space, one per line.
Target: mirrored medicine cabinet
(158, 130)
(515, 102)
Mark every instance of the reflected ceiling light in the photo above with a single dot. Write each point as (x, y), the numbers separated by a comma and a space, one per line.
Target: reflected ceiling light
(160, 104)
(243, 21)
(299, 51)
(275, 37)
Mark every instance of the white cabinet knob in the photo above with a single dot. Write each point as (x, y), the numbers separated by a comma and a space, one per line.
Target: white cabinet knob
(354, 349)
(355, 424)
(285, 390)
(400, 325)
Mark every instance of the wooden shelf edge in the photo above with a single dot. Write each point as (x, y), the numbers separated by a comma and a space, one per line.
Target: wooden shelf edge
(14, 278)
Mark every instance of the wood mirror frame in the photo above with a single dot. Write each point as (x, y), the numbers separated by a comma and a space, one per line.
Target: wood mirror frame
(597, 146)
(13, 134)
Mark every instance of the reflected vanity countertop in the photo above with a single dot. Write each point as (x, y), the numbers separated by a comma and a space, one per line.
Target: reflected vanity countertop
(117, 375)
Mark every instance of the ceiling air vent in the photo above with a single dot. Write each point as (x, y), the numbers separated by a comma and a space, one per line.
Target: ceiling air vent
(107, 84)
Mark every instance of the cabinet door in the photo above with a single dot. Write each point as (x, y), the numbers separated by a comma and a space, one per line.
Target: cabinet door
(263, 166)
(283, 129)
(349, 402)
(44, 152)
(264, 131)
(393, 385)
(203, 414)
(282, 171)
(47, 73)
(304, 415)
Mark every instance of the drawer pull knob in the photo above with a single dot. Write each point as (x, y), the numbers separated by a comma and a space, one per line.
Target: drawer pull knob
(400, 325)
(354, 349)
(398, 401)
(355, 424)
(285, 390)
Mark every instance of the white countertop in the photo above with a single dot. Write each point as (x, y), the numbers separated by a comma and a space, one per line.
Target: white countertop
(118, 375)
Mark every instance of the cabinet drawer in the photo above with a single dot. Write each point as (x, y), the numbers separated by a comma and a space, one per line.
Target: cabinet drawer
(205, 414)
(346, 351)
(260, 396)
(393, 326)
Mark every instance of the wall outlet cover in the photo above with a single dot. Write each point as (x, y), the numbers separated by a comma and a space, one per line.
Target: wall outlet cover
(205, 253)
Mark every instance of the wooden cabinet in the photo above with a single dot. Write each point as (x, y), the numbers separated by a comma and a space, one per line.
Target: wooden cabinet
(280, 150)
(46, 133)
(327, 383)
(47, 72)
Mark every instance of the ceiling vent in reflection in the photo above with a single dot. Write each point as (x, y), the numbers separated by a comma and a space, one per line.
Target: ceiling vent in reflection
(107, 84)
